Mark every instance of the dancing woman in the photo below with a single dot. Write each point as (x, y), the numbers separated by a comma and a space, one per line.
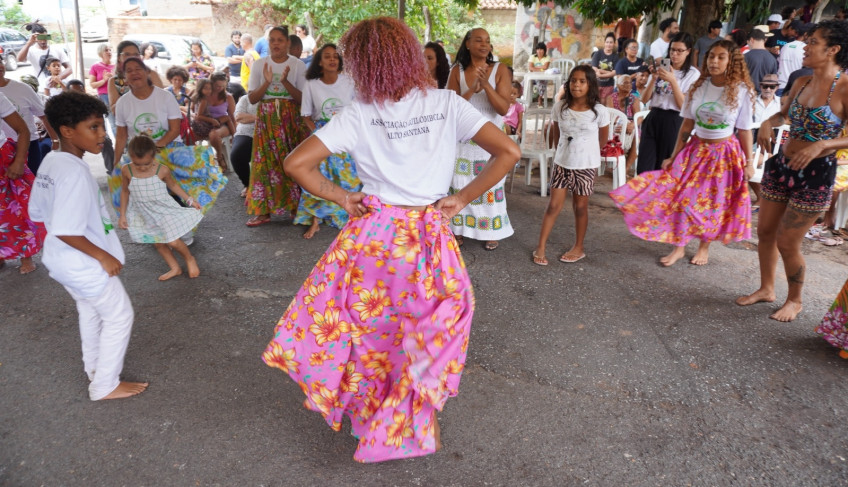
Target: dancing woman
(379, 331)
(797, 183)
(702, 190)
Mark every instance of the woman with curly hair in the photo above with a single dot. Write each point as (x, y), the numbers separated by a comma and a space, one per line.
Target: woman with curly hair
(379, 331)
(701, 192)
(486, 84)
(798, 182)
(437, 63)
(276, 83)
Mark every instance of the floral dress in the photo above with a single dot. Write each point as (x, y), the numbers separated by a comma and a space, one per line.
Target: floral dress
(197, 73)
(20, 237)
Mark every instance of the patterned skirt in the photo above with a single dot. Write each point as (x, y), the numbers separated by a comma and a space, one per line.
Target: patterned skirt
(484, 218)
(19, 236)
(193, 167)
(279, 129)
(834, 325)
(379, 331)
(704, 195)
(341, 170)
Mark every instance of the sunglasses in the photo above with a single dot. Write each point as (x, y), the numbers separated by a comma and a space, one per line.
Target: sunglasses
(768, 87)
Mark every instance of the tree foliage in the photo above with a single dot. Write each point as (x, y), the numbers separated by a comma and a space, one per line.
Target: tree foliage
(13, 17)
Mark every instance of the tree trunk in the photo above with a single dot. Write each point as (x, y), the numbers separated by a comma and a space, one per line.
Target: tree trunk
(817, 13)
(401, 9)
(697, 15)
(310, 24)
(428, 24)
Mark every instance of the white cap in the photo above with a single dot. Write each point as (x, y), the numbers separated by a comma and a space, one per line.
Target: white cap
(775, 18)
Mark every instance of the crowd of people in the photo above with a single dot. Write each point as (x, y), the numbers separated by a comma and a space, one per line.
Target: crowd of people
(407, 156)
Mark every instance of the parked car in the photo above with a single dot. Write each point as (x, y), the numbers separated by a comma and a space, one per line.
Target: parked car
(95, 29)
(174, 49)
(11, 43)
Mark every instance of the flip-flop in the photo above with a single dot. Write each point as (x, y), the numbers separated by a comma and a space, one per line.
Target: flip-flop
(571, 261)
(255, 222)
(539, 260)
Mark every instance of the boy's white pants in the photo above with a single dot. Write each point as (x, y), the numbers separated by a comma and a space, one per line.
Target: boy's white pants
(105, 323)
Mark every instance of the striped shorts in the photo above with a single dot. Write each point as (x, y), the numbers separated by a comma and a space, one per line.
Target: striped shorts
(579, 181)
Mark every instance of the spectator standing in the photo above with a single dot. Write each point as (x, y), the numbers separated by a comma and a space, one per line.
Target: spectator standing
(807, 10)
(791, 56)
(625, 29)
(235, 55)
(668, 29)
(706, 41)
(30, 107)
(784, 36)
(240, 154)
(603, 62)
(198, 64)
(36, 52)
(760, 62)
(262, 44)
(629, 63)
(248, 57)
(307, 41)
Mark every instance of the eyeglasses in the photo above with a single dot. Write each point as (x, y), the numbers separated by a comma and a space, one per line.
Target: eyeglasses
(768, 87)
(678, 51)
(634, 47)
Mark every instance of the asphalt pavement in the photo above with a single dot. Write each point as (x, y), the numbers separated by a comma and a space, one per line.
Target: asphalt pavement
(610, 371)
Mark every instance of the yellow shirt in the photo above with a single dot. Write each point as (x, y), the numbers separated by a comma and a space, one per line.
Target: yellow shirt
(245, 69)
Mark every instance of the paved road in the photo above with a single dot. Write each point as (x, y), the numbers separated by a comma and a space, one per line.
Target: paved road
(612, 371)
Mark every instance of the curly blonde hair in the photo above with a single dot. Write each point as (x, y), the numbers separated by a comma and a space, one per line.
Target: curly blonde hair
(735, 76)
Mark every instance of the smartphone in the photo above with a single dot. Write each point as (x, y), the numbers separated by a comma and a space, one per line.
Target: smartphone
(43, 37)
(666, 64)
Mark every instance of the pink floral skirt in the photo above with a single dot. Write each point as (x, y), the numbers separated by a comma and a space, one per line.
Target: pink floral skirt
(20, 237)
(704, 195)
(379, 331)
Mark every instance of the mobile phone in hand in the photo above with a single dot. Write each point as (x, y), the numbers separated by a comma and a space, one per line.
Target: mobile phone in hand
(666, 64)
(43, 37)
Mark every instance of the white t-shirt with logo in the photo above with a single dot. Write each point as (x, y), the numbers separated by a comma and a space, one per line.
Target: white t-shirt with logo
(663, 96)
(28, 105)
(405, 151)
(68, 200)
(149, 116)
(713, 118)
(34, 57)
(296, 76)
(579, 147)
(322, 101)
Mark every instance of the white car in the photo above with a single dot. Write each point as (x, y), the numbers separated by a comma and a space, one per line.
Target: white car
(95, 30)
(172, 50)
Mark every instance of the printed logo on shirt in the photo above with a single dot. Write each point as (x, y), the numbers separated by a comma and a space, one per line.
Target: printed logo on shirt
(148, 123)
(711, 116)
(277, 88)
(330, 108)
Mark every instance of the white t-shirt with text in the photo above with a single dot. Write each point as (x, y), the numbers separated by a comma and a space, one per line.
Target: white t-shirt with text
(28, 105)
(296, 76)
(579, 147)
(149, 116)
(405, 151)
(663, 96)
(713, 118)
(322, 101)
(68, 200)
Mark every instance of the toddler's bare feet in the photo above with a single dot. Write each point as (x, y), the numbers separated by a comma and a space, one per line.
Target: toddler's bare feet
(758, 296)
(193, 270)
(673, 257)
(171, 273)
(788, 312)
(701, 257)
(127, 389)
(27, 266)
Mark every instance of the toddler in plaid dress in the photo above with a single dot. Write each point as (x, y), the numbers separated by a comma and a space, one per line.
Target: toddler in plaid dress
(149, 212)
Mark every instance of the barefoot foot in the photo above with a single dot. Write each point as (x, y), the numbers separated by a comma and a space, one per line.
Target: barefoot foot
(171, 273)
(701, 257)
(758, 296)
(311, 231)
(673, 257)
(27, 266)
(191, 265)
(788, 312)
(126, 389)
(437, 432)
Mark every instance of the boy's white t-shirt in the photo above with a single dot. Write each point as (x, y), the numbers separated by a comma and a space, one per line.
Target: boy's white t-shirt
(6, 109)
(42, 85)
(296, 76)
(28, 105)
(321, 101)
(35, 54)
(405, 151)
(149, 116)
(67, 199)
(713, 119)
(583, 150)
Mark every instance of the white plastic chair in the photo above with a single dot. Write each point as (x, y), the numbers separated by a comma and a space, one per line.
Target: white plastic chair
(638, 118)
(535, 144)
(565, 66)
(760, 168)
(618, 126)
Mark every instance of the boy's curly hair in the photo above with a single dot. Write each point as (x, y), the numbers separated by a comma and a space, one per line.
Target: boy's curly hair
(69, 108)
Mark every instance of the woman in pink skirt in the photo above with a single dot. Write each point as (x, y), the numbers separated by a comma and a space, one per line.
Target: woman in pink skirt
(379, 331)
(701, 191)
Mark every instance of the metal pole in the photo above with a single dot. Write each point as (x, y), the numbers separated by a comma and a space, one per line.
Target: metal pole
(78, 42)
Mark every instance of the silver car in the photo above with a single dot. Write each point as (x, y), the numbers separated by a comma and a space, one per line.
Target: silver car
(174, 49)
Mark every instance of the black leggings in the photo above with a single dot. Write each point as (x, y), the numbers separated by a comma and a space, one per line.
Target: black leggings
(659, 135)
(240, 156)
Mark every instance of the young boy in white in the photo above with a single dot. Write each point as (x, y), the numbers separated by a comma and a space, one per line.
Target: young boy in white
(82, 250)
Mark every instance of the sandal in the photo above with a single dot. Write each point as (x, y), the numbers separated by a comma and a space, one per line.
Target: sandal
(539, 260)
(491, 245)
